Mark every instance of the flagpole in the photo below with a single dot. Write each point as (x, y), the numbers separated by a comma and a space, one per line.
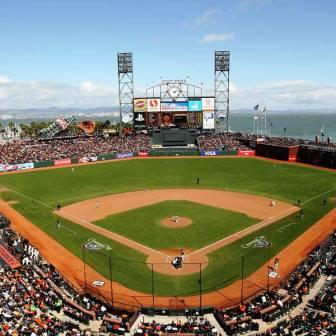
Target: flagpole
(265, 120)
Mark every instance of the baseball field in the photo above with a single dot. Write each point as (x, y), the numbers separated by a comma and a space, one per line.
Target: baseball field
(127, 206)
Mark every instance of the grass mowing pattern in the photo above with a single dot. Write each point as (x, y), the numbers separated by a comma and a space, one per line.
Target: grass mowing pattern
(285, 182)
(209, 224)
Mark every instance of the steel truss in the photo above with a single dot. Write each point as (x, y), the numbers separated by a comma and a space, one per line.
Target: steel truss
(222, 93)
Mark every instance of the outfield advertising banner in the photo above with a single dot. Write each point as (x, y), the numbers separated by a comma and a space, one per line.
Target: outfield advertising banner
(18, 166)
(139, 120)
(210, 153)
(209, 120)
(86, 159)
(124, 155)
(194, 105)
(246, 152)
(153, 105)
(208, 104)
(143, 154)
(140, 105)
(63, 162)
(174, 106)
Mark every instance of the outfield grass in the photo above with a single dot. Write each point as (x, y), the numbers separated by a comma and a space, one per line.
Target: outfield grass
(285, 182)
(209, 224)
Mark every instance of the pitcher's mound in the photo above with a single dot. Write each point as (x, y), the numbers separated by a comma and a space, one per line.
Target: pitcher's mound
(176, 222)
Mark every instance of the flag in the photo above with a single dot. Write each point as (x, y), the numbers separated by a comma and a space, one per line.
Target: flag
(256, 107)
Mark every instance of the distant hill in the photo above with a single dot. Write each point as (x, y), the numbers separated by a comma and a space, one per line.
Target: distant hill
(112, 112)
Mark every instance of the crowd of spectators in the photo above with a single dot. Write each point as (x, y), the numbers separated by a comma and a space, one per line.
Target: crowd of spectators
(318, 315)
(34, 296)
(221, 141)
(23, 151)
(194, 325)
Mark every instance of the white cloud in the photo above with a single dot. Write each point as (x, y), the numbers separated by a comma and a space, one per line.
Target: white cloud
(209, 38)
(283, 95)
(208, 17)
(22, 94)
(4, 79)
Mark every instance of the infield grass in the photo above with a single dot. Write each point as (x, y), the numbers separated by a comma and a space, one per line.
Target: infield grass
(209, 224)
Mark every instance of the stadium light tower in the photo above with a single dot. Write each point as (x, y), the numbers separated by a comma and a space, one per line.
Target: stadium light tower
(222, 97)
(126, 88)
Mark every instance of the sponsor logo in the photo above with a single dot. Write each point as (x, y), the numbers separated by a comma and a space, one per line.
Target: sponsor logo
(143, 154)
(258, 242)
(139, 105)
(139, 118)
(208, 104)
(246, 152)
(94, 245)
(208, 120)
(177, 106)
(195, 105)
(153, 103)
(62, 162)
(19, 166)
(124, 155)
(210, 153)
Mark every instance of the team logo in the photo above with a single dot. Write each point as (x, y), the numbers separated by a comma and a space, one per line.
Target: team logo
(258, 242)
(94, 245)
(140, 118)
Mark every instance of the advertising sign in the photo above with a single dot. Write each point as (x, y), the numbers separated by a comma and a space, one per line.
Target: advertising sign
(140, 105)
(194, 105)
(139, 120)
(174, 107)
(63, 162)
(143, 154)
(208, 104)
(246, 152)
(153, 105)
(209, 120)
(210, 153)
(85, 159)
(124, 155)
(18, 166)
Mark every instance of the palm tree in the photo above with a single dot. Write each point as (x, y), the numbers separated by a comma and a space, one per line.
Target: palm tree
(11, 125)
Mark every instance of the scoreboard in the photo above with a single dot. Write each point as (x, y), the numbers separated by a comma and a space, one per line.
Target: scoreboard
(155, 112)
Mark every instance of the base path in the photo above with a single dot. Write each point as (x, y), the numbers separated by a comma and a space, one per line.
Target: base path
(85, 212)
(71, 267)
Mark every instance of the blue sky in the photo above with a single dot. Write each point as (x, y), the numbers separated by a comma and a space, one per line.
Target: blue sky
(63, 52)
